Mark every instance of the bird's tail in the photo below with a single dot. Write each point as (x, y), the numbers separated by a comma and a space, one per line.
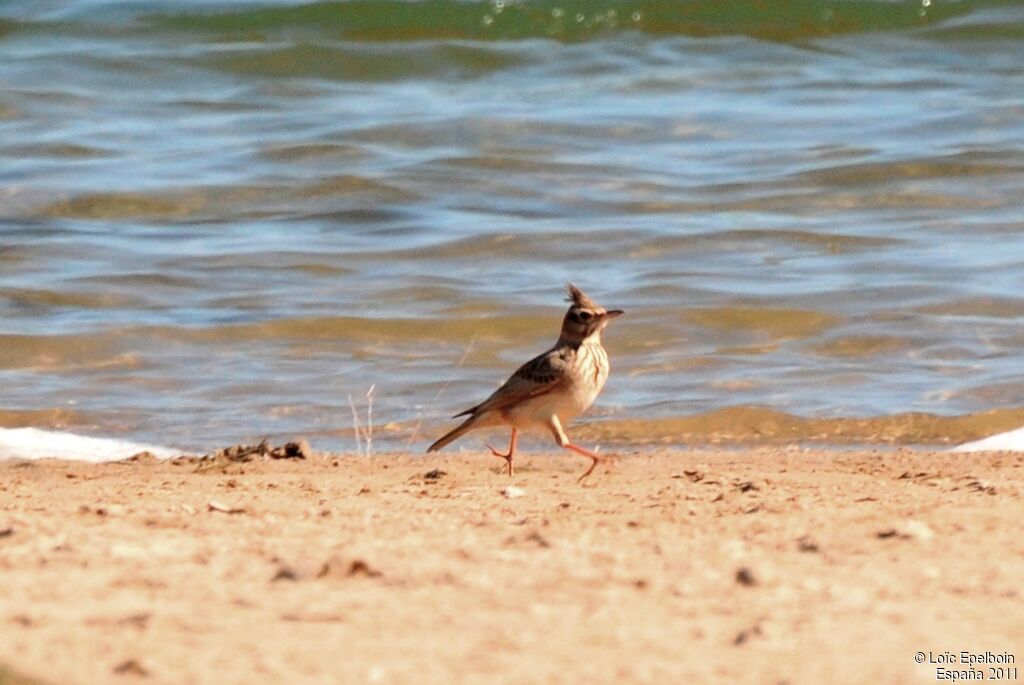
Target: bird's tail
(454, 434)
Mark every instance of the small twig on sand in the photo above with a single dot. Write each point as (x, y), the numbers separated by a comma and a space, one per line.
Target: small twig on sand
(355, 425)
(369, 420)
(364, 434)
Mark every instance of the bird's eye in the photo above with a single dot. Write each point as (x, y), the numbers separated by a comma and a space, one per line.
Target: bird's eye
(585, 316)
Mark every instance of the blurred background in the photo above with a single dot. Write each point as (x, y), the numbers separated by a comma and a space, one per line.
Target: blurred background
(220, 220)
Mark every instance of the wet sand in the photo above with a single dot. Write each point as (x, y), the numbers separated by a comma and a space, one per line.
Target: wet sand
(778, 565)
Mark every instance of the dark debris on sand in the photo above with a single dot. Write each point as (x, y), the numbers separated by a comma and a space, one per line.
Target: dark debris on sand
(434, 476)
(289, 450)
(241, 453)
(130, 667)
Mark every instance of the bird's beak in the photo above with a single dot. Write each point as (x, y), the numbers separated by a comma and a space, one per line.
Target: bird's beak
(613, 313)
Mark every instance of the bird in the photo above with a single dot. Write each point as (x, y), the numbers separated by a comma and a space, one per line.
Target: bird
(551, 389)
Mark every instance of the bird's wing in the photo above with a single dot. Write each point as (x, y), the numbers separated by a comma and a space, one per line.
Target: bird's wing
(536, 377)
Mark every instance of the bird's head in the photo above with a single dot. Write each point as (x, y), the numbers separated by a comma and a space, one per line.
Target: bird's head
(585, 318)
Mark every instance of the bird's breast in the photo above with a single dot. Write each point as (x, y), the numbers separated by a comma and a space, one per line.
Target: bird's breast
(591, 372)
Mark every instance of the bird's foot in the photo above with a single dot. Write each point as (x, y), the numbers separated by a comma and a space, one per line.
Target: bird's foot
(502, 455)
(590, 470)
(594, 457)
(604, 459)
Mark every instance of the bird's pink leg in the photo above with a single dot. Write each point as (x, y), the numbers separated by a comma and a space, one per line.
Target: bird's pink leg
(563, 441)
(586, 453)
(511, 450)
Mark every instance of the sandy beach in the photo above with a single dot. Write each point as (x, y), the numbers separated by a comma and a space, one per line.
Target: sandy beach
(780, 565)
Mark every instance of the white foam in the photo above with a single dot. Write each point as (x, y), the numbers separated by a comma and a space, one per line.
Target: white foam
(35, 443)
(1010, 441)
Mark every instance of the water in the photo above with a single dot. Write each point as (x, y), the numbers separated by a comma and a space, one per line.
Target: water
(221, 220)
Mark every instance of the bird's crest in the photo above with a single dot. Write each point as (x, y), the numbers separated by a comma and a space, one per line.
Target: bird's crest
(579, 298)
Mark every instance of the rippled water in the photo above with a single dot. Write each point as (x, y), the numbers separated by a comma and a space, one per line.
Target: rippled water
(220, 220)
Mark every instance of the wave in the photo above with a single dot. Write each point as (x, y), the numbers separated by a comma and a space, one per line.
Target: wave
(35, 443)
(763, 425)
(1010, 441)
(568, 20)
(390, 20)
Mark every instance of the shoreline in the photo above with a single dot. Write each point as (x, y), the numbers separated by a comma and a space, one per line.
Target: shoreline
(735, 427)
(760, 565)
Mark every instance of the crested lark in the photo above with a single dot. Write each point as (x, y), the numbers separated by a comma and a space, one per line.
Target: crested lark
(552, 389)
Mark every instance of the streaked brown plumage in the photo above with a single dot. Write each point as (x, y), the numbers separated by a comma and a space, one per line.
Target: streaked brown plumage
(551, 389)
